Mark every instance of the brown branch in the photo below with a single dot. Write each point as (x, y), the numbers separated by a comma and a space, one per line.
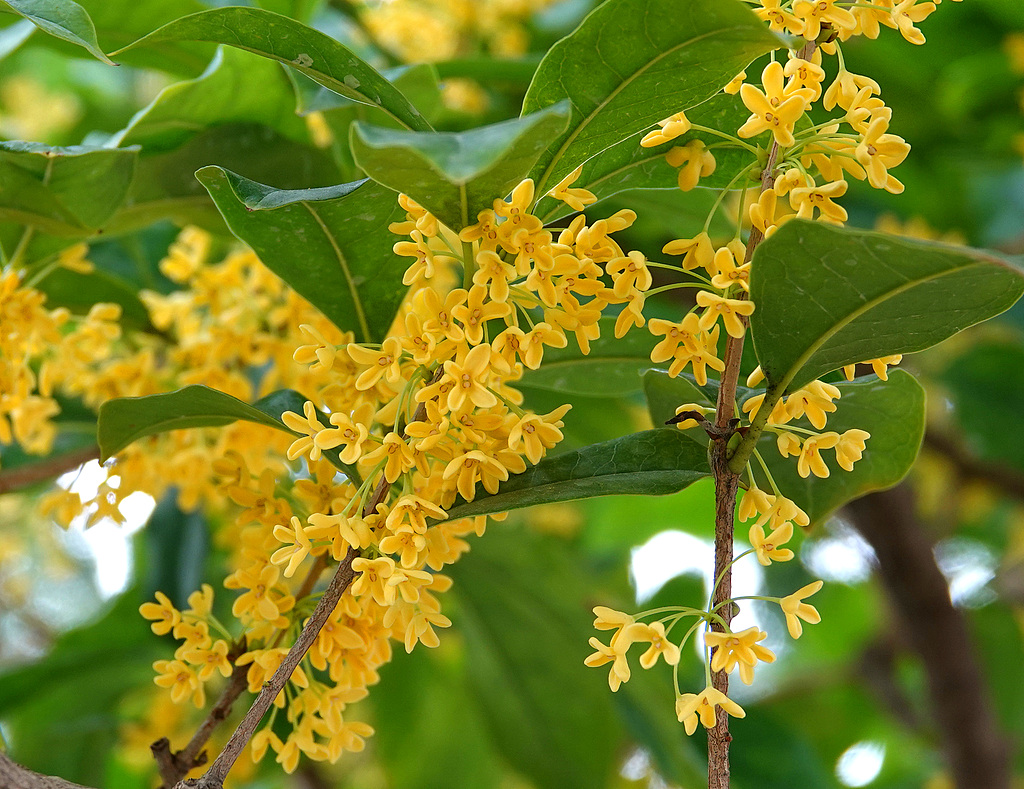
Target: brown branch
(14, 776)
(976, 749)
(342, 579)
(23, 476)
(970, 467)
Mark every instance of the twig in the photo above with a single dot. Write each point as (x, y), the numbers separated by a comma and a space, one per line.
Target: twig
(972, 468)
(14, 776)
(342, 579)
(976, 749)
(23, 476)
(726, 487)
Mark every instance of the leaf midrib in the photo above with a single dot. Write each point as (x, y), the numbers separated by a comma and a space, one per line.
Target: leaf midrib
(857, 313)
(364, 326)
(543, 181)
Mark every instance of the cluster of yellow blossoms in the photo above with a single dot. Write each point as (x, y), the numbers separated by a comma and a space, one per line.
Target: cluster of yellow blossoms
(809, 165)
(427, 416)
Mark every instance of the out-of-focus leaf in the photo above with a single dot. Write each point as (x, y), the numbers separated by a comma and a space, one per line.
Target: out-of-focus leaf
(78, 292)
(829, 296)
(166, 188)
(430, 733)
(347, 268)
(651, 463)
(455, 175)
(891, 411)
(62, 710)
(986, 384)
(303, 48)
(520, 610)
(13, 36)
(611, 369)
(176, 544)
(632, 63)
(64, 19)
(237, 87)
(68, 192)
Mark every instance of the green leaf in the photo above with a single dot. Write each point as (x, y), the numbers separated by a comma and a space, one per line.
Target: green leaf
(298, 46)
(418, 82)
(430, 732)
(892, 411)
(632, 63)
(984, 384)
(347, 268)
(611, 369)
(651, 463)
(61, 18)
(522, 612)
(166, 188)
(79, 292)
(127, 419)
(455, 175)
(175, 545)
(626, 166)
(828, 297)
(68, 192)
(236, 87)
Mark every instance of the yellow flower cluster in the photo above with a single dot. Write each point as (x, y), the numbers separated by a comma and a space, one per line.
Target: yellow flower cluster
(228, 318)
(809, 166)
(427, 416)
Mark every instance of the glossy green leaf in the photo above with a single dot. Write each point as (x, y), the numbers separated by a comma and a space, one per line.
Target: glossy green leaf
(346, 268)
(417, 82)
(829, 296)
(651, 463)
(166, 188)
(632, 63)
(611, 369)
(626, 166)
(891, 411)
(237, 87)
(522, 612)
(67, 192)
(127, 419)
(298, 46)
(455, 175)
(64, 19)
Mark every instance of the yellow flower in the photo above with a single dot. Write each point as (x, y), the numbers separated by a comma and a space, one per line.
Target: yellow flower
(734, 84)
(469, 467)
(697, 251)
(692, 706)
(537, 433)
(815, 12)
(772, 109)
(850, 447)
(163, 611)
(778, 18)
(181, 680)
(418, 248)
(660, 645)
(494, 273)
(345, 432)
(730, 274)
(397, 454)
(810, 460)
(576, 199)
(730, 311)
(805, 199)
(767, 548)
(470, 380)
(796, 609)
(384, 363)
(732, 649)
(475, 312)
(614, 654)
(297, 546)
(879, 151)
(906, 13)
(308, 426)
(813, 401)
(670, 128)
(211, 659)
(628, 273)
(695, 162)
(373, 577)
